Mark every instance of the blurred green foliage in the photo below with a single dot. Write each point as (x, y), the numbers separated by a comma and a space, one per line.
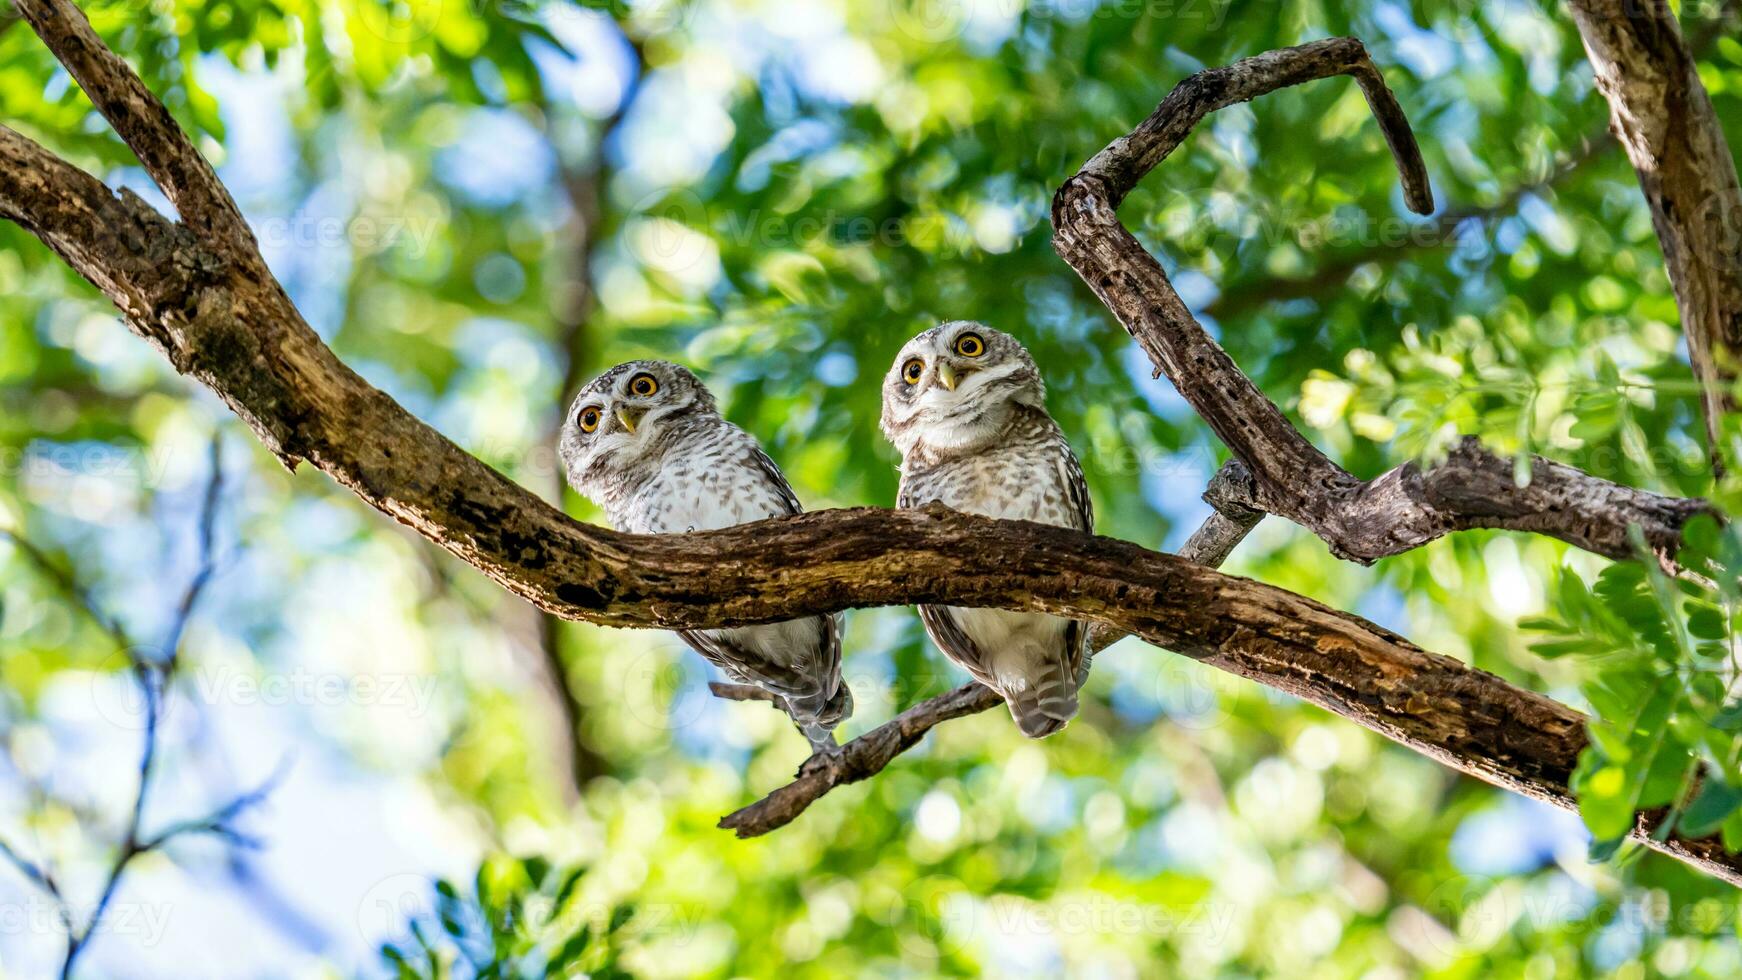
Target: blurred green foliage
(788, 192)
(519, 919)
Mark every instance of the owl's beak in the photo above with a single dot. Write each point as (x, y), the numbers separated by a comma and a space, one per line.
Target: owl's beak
(631, 417)
(948, 376)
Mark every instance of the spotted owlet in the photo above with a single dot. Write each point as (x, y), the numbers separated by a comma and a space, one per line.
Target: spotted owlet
(646, 442)
(965, 405)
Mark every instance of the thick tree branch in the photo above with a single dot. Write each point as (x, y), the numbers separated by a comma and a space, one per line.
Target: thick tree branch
(1659, 110)
(231, 327)
(869, 754)
(143, 124)
(1361, 520)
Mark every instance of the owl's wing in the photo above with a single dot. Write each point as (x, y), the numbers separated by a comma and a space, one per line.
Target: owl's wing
(942, 626)
(738, 663)
(948, 635)
(1076, 489)
(830, 661)
(904, 495)
(776, 479)
(1083, 509)
(749, 667)
(745, 665)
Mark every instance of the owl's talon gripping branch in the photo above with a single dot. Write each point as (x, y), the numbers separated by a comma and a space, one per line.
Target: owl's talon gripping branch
(198, 291)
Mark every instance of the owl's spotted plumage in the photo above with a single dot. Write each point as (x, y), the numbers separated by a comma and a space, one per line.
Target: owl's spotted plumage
(965, 405)
(646, 442)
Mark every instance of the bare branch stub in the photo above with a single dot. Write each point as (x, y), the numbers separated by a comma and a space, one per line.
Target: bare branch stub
(1360, 520)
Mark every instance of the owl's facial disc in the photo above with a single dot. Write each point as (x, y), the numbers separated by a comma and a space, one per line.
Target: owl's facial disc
(616, 430)
(956, 386)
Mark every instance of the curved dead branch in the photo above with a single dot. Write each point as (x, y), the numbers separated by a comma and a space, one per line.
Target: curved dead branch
(1361, 520)
(208, 304)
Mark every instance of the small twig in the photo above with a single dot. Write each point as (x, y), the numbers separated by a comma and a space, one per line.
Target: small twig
(222, 821)
(64, 582)
(1237, 299)
(863, 757)
(38, 875)
(207, 552)
(153, 676)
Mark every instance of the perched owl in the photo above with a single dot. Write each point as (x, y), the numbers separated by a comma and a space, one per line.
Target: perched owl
(966, 407)
(646, 442)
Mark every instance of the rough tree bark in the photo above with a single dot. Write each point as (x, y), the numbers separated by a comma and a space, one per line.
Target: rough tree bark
(198, 291)
(1659, 110)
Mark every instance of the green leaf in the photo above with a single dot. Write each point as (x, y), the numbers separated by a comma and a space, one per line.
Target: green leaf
(1716, 801)
(1706, 622)
(573, 949)
(1729, 719)
(1733, 832)
(1605, 804)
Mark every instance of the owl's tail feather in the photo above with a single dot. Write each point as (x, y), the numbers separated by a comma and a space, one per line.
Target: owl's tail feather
(820, 711)
(1044, 705)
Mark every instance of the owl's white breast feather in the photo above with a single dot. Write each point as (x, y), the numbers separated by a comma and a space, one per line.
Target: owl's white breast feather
(705, 484)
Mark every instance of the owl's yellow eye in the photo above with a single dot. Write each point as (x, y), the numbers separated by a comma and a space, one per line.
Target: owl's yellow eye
(970, 345)
(588, 419)
(912, 370)
(643, 385)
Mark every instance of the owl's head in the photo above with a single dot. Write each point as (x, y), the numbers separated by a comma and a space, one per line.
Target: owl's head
(619, 425)
(954, 388)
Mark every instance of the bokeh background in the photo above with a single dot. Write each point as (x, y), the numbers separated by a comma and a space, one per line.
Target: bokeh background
(481, 203)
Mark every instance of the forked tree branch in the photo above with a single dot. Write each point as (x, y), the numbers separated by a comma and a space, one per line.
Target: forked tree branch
(1400, 511)
(143, 122)
(222, 319)
(1361, 520)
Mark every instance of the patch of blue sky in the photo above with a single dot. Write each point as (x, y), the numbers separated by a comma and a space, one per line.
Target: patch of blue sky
(1158, 393)
(594, 66)
(260, 146)
(794, 142)
(498, 160)
(1424, 52)
(1515, 835)
(1384, 604)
